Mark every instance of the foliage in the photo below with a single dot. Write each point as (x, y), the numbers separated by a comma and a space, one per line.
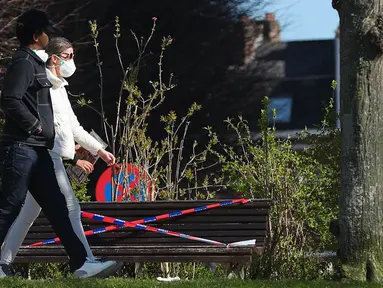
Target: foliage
(163, 164)
(218, 283)
(186, 271)
(325, 150)
(80, 191)
(47, 270)
(303, 186)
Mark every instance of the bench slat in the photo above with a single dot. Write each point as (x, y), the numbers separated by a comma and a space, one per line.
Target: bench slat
(214, 212)
(172, 205)
(203, 258)
(144, 254)
(149, 241)
(171, 226)
(191, 219)
(145, 234)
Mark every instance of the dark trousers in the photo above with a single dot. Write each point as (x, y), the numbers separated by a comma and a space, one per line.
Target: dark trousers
(31, 168)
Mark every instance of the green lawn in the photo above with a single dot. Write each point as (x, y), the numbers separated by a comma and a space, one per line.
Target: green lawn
(117, 283)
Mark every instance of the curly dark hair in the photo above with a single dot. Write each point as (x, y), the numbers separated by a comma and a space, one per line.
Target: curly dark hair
(32, 22)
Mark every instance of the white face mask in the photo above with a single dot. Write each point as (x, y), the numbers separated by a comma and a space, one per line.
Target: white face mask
(67, 68)
(43, 56)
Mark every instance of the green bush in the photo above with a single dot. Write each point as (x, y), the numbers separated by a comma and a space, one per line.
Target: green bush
(81, 191)
(303, 185)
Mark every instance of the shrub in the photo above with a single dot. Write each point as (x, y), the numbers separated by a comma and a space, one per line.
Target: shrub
(303, 185)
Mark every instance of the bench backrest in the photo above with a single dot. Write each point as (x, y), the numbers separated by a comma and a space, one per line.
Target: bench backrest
(226, 224)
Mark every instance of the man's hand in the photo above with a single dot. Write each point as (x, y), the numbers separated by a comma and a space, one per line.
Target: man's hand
(108, 157)
(85, 165)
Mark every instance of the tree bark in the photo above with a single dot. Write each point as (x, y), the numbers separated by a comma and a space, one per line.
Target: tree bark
(361, 199)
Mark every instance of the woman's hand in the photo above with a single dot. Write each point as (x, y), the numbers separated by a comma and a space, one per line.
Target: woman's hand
(108, 157)
(85, 165)
(78, 146)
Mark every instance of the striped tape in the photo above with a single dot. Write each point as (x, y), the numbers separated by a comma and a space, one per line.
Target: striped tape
(135, 224)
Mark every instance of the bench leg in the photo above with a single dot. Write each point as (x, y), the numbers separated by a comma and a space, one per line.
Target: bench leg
(28, 272)
(241, 272)
(164, 266)
(236, 270)
(23, 270)
(165, 269)
(138, 270)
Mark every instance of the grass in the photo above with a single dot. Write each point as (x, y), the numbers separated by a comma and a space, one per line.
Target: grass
(118, 282)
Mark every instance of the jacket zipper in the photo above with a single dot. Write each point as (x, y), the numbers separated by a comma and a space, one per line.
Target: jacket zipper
(37, 108)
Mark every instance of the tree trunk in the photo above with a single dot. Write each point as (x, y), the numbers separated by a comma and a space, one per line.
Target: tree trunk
(361, 199)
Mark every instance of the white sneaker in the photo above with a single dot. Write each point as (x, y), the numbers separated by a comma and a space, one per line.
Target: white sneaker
(168, 279)
(96, 268)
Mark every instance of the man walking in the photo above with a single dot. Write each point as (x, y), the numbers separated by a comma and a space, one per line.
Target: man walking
(28, 133)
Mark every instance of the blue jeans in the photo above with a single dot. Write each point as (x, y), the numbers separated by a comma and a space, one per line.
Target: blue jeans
(24, 168)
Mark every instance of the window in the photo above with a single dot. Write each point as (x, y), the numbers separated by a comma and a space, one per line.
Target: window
(283, 106)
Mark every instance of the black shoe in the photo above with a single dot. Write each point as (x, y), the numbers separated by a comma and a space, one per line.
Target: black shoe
(6, 271)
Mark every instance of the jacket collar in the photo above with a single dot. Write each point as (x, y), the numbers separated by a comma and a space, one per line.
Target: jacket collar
(32, 53)
(57, 82)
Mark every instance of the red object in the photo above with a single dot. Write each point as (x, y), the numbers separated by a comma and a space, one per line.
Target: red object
(133, 185)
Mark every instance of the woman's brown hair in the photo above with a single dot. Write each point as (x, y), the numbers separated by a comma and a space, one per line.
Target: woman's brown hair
(57, 45)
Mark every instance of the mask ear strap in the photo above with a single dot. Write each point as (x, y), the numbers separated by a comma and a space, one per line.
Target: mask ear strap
(54, 66)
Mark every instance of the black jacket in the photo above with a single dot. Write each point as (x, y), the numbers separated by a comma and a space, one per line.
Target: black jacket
(26, 101)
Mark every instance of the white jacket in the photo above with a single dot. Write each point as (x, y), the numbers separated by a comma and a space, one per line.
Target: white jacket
(68, 129)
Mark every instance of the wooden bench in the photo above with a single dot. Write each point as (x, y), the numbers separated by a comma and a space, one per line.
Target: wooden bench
(226, 224)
